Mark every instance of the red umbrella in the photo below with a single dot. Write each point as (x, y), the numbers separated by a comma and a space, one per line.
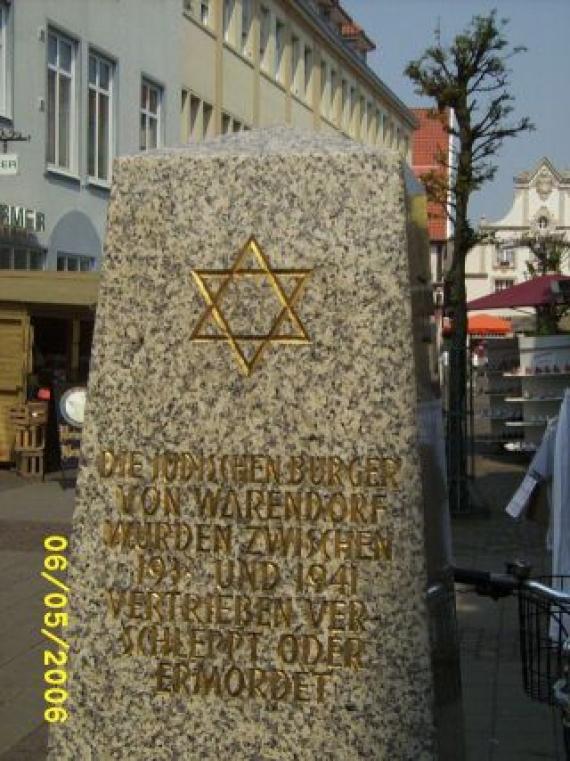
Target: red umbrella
(535, 292)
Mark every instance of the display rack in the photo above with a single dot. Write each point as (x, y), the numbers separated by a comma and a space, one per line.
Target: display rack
(543, 374)
(492, 388)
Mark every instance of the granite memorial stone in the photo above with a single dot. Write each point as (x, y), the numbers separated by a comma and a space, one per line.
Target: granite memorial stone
(248, 566)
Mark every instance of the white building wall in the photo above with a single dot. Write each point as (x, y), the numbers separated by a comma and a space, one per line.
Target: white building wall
(124, 32)
(543, 192)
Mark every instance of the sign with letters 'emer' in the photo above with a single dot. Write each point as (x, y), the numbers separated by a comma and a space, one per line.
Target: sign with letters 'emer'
(247, 572)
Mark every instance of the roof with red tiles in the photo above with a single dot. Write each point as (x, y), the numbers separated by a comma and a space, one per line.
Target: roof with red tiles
(354, 32)
(427, 141)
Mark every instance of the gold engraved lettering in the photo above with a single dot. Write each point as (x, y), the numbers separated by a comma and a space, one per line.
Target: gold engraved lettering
(277, 685)
(124, 464)
(247, 574)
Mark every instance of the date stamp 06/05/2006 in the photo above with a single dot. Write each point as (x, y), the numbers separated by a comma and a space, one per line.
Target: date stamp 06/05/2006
(55, 620)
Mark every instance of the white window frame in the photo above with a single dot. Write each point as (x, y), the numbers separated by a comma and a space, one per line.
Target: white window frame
(73, 110)
(505, 257)
(98, 90)
(149, 115)
(5, 61)
(510, 281)
(79, 258)
(11, 249)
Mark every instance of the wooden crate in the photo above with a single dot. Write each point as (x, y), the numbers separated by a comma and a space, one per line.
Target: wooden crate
(30, 437)
(30, 464)
(30, 413)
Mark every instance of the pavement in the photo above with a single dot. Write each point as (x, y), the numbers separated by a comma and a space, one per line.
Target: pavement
(501, 723)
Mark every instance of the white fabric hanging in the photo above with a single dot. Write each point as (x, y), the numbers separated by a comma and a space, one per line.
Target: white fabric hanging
(561, 493)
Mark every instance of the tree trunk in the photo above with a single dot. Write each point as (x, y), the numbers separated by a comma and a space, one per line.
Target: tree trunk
(456, 416)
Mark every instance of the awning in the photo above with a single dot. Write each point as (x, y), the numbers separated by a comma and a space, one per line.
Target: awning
(531, 293)
(486, 325)
(49, 287)
(480, 325)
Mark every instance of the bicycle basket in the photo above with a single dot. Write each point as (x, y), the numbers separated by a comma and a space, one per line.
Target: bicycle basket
(544, 627)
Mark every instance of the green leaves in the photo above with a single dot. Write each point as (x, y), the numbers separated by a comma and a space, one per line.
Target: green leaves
(470, 76)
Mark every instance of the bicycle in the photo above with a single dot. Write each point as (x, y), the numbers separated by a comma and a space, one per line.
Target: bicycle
(544, 630)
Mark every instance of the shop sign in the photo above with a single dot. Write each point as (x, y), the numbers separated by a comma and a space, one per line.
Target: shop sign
(9, 163)
(20, 218)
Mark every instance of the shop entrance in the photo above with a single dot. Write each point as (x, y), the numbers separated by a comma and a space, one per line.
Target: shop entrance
(61, 349)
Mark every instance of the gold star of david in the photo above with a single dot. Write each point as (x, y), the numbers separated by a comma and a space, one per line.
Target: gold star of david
(208, 280)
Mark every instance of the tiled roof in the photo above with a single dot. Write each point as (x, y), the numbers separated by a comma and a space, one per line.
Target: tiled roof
(430, 138)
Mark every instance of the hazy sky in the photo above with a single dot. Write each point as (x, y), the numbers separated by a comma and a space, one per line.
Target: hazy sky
(540, 79)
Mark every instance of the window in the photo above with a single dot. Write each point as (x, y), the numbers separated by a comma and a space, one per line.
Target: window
(200, 118)
(229, 7)
(207, 113)
(363, 117)
(4, 60)
(295, 63)
(542, 223)
(21, 258)
(332, 104)
(151, 102)
(236, 126)
(226, 123)
(205, 12)
(195, 127)
(505, 257)
(378, 126)
(503, 283)
(279, 49)
(265, 24)
(61, 101)
(324, 91)
(344, 102)
(308, 61)
(74, 263)
(99, 141)
(352, 110)
(246, 18)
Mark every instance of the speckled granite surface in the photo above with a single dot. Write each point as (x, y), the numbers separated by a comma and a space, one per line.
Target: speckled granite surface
(336, 209)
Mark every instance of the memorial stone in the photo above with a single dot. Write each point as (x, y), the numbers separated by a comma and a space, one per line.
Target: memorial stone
(248, 559)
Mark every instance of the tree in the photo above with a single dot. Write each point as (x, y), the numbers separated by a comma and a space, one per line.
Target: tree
(470, 76)
(549, 251)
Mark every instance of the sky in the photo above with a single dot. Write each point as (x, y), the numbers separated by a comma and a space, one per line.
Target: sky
(540, 79)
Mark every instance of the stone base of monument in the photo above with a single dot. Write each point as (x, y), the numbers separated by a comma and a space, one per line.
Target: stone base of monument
(248, 566)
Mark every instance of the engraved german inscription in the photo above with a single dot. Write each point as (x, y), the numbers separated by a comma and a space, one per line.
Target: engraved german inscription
(246, 570)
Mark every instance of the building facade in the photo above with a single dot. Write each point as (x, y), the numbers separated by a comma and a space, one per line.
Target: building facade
(88, 80)
(298, 62)
(83, 81)
(541, 204)
(433, 153)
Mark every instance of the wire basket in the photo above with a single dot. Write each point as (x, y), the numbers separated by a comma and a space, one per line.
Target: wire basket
(544, 627)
